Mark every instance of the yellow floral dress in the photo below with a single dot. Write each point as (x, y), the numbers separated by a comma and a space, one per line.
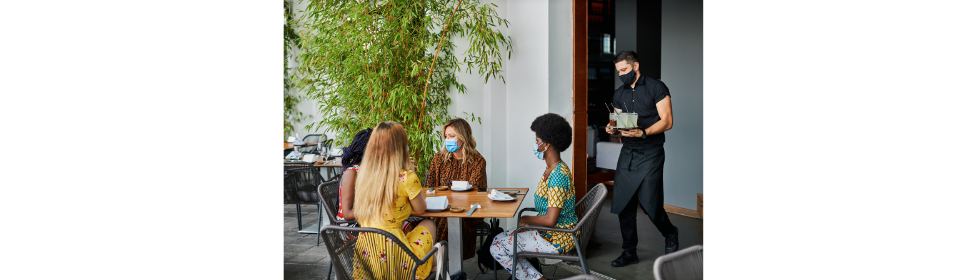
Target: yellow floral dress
(372, 248)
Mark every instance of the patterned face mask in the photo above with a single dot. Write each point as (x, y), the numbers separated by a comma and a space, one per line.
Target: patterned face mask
(540, 155)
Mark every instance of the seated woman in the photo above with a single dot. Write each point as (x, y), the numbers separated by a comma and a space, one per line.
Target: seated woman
(554, 200)
(458, 161)
(387, 192)
(351, 161)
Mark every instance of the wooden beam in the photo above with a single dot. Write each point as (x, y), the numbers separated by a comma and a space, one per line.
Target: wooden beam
(580, 95)
(681, 211)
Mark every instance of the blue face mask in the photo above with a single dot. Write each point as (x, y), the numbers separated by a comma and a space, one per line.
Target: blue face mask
(451, 146)
(540, 155)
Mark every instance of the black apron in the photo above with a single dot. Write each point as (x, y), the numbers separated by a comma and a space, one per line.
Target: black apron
(640, 171)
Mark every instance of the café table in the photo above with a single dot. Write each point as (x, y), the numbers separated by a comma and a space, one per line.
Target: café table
(288, 145)
(488, 209)
(331, 166)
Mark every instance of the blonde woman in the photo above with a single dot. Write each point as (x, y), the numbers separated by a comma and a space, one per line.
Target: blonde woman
(458, 161)
(387, 191)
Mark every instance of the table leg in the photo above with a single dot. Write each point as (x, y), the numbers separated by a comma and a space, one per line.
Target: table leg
(455, 245)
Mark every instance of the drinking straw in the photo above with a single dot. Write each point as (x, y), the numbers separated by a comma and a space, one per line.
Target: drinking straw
(607, 107)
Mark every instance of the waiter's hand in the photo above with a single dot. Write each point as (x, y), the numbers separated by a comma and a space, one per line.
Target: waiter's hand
(636, 132)
(610, 130)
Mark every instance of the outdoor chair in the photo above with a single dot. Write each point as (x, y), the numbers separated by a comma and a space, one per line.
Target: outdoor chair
(686, 263)
(344, 257)
(312, 138)
(582, 277)
(587, 210)
(300, 187)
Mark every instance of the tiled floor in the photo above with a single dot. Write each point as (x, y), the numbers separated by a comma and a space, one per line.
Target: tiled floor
(304, 260)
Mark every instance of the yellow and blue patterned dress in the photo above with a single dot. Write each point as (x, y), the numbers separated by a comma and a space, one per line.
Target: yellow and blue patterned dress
(419, 240)
(558, 191)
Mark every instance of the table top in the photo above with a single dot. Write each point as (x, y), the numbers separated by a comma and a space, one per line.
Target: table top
(329, 163)
(287, 145)
(488, 208)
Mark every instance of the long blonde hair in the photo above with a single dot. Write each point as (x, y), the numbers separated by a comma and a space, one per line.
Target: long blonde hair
(377, 180)
(463, 134)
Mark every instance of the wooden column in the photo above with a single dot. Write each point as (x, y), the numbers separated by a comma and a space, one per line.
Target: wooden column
(580, 95)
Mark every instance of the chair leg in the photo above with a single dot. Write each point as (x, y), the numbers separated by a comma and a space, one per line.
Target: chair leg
(319, 221)
(513, 264)
(299, 217)
(330, 270)
(581, 257)
(494, 269)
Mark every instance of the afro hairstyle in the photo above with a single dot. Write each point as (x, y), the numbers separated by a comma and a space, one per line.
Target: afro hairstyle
(553, 129)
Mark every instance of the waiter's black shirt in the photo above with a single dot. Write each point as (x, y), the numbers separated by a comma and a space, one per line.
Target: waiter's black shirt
(643, 100)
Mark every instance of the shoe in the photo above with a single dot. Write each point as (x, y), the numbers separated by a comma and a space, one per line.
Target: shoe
(671, 242)
(627, 258)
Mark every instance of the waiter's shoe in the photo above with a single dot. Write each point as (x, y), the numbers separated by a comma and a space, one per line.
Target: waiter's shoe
(672, 242)
(627, 258)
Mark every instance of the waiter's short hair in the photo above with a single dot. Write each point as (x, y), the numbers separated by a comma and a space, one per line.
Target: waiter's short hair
(553, 129)
(628, 56)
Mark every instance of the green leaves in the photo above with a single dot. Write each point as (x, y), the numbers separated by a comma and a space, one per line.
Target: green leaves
(366, 62)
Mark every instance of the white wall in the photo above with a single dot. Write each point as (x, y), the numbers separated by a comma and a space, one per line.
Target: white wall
(681, 71)
(560, 63)
(307, 107)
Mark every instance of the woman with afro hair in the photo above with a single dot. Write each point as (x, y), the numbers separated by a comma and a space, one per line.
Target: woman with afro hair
(554, 200)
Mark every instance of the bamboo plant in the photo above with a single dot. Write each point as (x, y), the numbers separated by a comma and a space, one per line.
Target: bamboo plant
(365, 62)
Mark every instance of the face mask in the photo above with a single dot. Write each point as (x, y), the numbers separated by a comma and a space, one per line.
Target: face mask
(628, 77)
(540, 155)
(451, 146)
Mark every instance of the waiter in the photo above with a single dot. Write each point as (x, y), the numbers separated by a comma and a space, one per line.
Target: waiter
(640, 170)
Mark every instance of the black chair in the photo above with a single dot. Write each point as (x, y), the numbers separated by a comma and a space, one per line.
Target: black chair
(312, 138)
(587, 210)
(345, 259)
(301, 179)
(687, 263)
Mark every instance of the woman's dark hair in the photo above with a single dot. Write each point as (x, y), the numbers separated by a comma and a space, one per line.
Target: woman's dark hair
(553, 129)
(355, 151)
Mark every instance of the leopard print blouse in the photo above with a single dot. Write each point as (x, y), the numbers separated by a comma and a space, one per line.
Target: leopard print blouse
(442, 173)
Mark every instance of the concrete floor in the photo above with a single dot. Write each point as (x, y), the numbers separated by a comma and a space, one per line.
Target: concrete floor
(304, 260)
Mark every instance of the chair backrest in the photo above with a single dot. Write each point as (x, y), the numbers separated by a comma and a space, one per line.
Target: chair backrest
(588, 211)
(686, 263)
(329, 193)
(314, 138)
(303, 182)
(582, 277)
(360, 258)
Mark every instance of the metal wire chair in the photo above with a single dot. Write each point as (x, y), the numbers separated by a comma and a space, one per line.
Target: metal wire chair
(399, 261)
(683, 264)
(313, 138)
(301, 179)
(588, 211)
(582, 277)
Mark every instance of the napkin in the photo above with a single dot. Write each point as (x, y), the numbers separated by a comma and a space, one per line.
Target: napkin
(436, 203)
(461, 185)
(495, 195)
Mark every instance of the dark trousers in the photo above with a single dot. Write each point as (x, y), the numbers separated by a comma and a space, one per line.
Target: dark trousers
(627, 218)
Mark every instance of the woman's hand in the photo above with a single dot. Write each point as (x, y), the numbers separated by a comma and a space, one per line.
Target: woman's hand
(411, 165)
